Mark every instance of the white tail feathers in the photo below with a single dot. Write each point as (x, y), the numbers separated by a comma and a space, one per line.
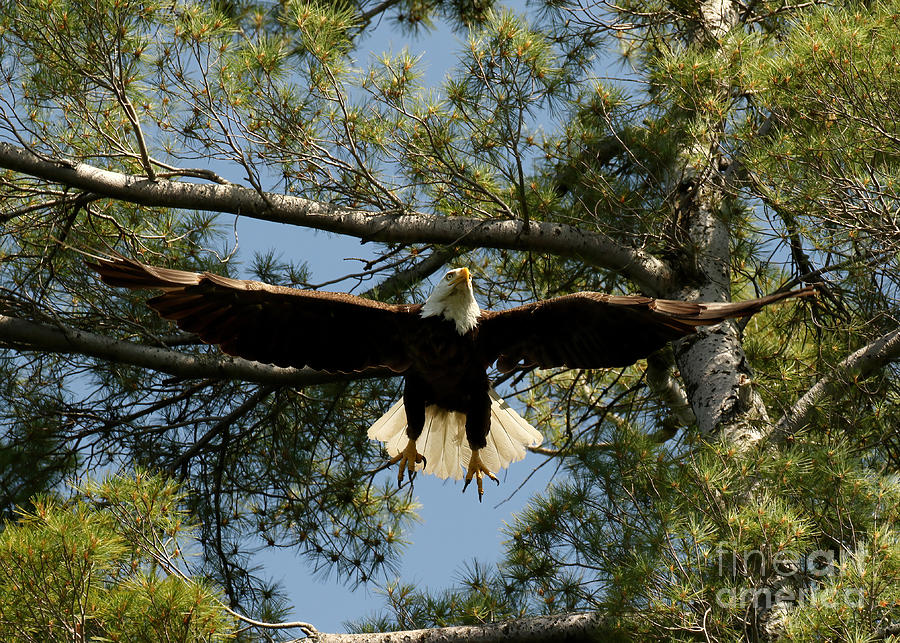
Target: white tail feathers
(443, 440)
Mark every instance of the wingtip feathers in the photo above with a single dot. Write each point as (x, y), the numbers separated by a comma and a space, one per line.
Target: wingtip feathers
(708, 313)
(121, 271)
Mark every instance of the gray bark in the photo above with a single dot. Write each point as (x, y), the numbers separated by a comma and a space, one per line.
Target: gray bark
(32, 336)
(718, 17)
(665, 386)
(712, 362)
(858, 365)
(562, 628)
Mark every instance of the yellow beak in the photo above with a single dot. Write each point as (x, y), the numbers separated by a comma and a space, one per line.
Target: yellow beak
(462, 275)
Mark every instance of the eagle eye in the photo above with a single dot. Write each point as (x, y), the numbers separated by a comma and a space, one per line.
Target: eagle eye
(449, 276)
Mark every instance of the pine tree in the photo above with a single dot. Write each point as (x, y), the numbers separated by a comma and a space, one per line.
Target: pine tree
(105, 564)
(742, 484)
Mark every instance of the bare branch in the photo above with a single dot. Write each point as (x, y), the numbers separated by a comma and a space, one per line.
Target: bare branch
(573, 628)
(132, 116)
(33, 336)
(648, 272)
(366, 17)
(661, 380)
(858, 365)
(402, 280)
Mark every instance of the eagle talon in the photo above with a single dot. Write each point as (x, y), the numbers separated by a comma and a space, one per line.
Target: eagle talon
(477, 470)
(408, 459)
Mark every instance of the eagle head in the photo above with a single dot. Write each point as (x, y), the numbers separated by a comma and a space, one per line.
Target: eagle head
(453, 298)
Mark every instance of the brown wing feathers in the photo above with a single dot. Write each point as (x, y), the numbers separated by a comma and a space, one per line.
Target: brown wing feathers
(596, 330)
(272, 324)
(705, 314)
(341, 332)
(127, 273)
(582, 330)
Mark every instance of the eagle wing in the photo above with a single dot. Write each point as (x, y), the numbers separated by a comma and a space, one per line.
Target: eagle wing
(335, 332)
(596, 330)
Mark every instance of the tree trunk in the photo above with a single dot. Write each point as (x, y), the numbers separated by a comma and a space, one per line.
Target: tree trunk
(712, 362)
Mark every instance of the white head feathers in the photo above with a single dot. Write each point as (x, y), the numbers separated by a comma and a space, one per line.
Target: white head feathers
(452, 297)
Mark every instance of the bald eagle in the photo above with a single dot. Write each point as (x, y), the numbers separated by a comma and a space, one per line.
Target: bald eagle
(442, 348)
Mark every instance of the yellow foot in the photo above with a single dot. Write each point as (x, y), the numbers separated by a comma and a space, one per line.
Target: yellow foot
(477, 469)
(408, 459)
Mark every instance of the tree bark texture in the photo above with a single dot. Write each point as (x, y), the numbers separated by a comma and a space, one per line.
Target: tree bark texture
(712, 362)
(562, 628)
(32, 336)
(648, 272)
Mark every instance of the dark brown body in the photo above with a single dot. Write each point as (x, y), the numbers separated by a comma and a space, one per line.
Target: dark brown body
(449, 371)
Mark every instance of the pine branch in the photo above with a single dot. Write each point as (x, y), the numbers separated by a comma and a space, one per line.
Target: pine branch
(662, 381)
(858, 365)
(33, 336)
(887, 631)
(366, 17)
(571, 628)
(648, 272)
(400, 281)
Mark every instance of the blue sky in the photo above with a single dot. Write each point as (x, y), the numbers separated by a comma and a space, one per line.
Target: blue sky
(455, 528)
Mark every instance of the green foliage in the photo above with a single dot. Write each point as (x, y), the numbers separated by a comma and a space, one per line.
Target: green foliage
(417, 15)
(788, 121)
(31, 455)
(323, 28)
(829, 96)
(105, 565)
(672, 540)
(481, 595)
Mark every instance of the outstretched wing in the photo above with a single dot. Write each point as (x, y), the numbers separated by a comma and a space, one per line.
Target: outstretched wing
(596, 330)
(327, 331)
